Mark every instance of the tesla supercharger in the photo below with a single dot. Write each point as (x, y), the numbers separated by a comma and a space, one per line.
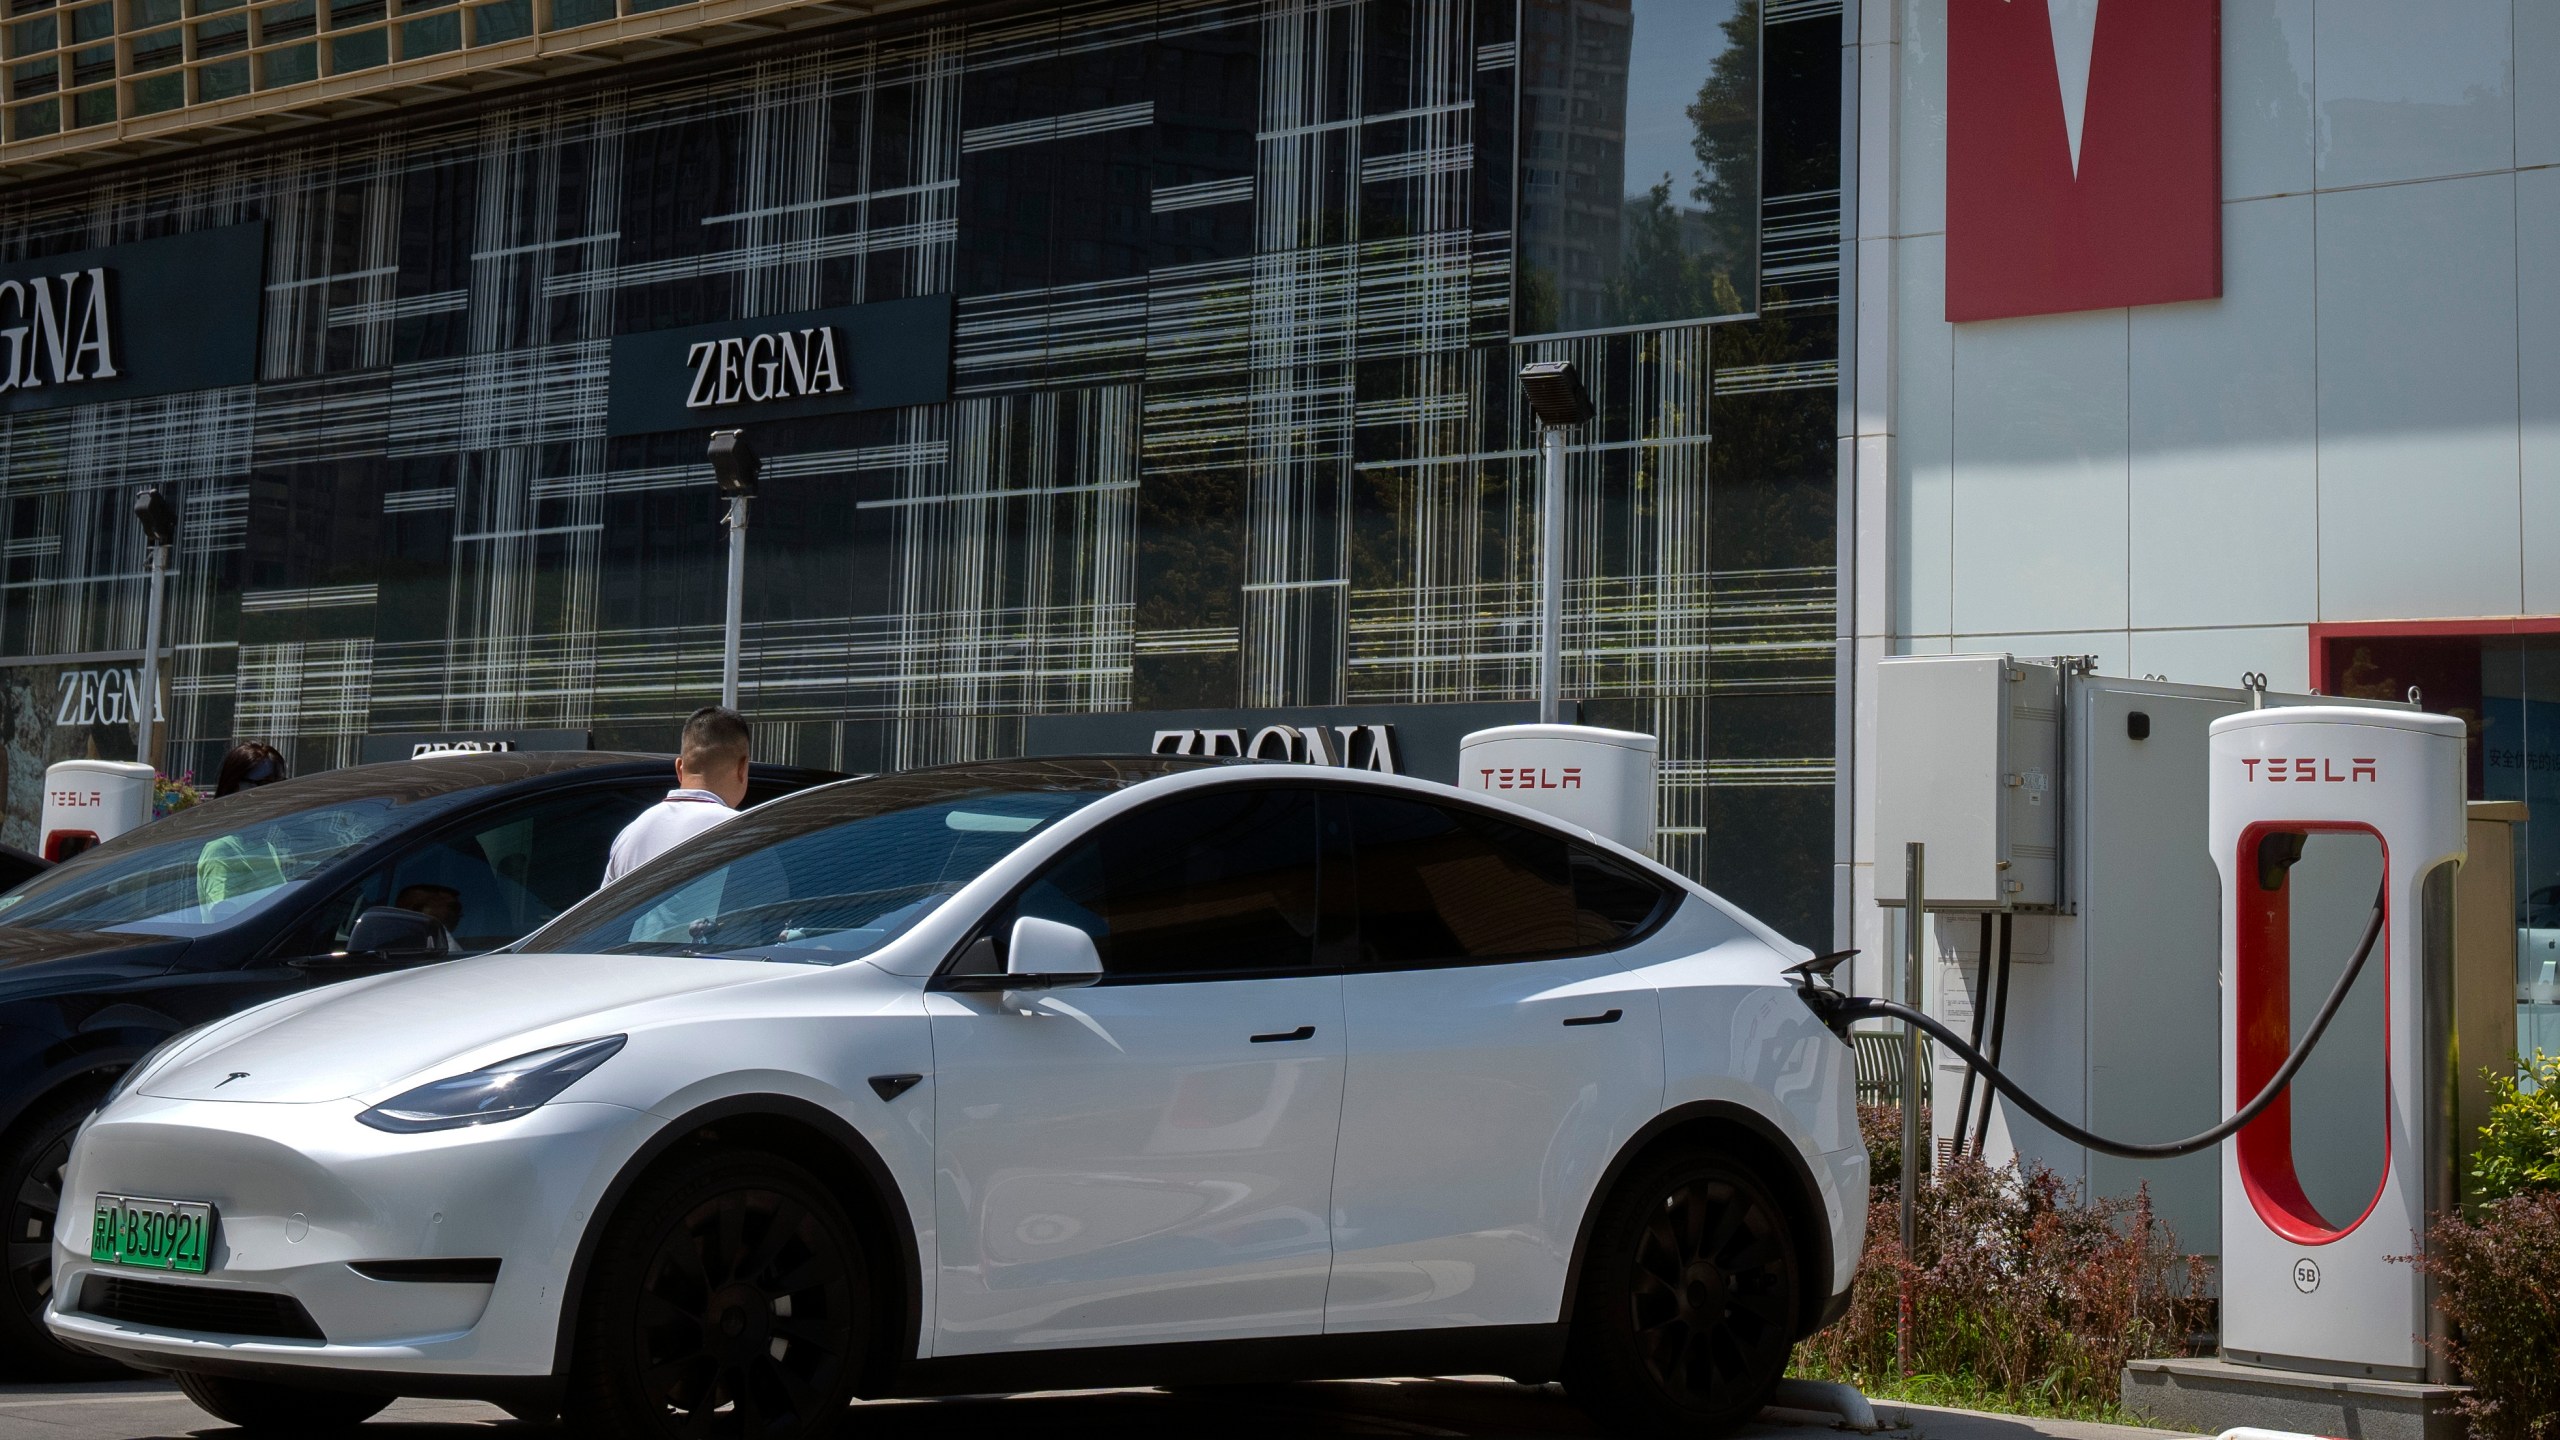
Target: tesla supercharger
(1601, 780)
(87, 802)
(2301, 1288)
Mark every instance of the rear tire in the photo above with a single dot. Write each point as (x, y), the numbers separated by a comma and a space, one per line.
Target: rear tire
(732, 1297)
(264, 1408)
(1689, 1297)
(30, 1201)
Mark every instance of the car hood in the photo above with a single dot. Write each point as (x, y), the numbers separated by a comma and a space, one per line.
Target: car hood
(39, 961)
(366, 1034)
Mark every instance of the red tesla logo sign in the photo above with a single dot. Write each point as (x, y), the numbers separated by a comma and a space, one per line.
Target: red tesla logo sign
(2084, 147)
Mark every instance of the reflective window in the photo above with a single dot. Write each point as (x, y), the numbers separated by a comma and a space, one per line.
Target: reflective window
(1221, 883)
(194, 882)
(488, 881)
(1639, 163)
(1443, 885)
(492, 880)
(834, 873)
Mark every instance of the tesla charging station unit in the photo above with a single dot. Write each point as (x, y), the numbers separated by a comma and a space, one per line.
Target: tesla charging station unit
(89, 802)
(2100, 822)
(2301, 1288)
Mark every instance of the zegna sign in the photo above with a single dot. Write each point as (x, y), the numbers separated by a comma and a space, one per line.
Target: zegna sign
(781, 367)
(777, 365)
(106, 696)
(56, 330)
(127, 321)
(1350, 747)
(1417, 740)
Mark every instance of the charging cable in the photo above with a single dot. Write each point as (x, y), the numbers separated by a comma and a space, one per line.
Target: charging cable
(1838, 1008)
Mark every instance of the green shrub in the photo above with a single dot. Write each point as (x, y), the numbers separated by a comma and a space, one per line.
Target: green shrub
(2023, 1296)
(2498, 1284)
(2520, 1143)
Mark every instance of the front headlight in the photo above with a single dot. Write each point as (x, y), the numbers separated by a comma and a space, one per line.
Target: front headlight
(504, 1091)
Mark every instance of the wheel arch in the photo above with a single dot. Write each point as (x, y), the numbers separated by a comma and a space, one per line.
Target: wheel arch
(809, 1135)
(1739, 1130)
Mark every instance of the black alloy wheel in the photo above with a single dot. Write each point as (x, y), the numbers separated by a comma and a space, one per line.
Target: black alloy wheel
(31, 1169)
(738, 1304)
(1690, 1300)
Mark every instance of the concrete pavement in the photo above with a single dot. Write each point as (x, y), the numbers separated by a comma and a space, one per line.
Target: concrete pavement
(1493, 1409)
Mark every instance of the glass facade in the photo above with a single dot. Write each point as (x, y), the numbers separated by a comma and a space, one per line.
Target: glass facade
(1233, 421)
(1639, 157)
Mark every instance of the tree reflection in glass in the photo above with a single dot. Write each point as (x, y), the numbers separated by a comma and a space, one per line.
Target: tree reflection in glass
(1640, 163)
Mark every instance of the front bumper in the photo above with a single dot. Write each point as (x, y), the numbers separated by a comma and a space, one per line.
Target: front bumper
(302, 1192)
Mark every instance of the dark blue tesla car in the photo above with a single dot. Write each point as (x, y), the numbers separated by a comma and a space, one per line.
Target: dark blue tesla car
(257, 894)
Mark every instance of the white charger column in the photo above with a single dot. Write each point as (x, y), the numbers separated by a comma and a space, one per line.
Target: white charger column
(1601, 780)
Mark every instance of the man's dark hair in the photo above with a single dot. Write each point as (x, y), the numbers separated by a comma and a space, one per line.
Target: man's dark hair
(714, 739)
(248, 765)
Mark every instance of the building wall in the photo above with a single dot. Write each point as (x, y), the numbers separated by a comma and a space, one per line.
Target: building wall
(2366, 425)
(1233, 416)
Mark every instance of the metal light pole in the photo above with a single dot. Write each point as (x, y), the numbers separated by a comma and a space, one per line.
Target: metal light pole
(1915, 925)
(1557, 399)
(159, 520)
(735, 466)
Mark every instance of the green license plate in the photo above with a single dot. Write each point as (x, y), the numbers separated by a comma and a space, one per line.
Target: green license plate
(152, 1234)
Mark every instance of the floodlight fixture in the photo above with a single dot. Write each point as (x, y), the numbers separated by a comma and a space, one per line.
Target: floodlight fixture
(1555, 392)
(158, 516)
(734, 463)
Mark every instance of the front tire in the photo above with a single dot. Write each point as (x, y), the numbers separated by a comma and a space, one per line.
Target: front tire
(1689, 1299)
(731, 1298)
(31, 1168)
(262, 1408)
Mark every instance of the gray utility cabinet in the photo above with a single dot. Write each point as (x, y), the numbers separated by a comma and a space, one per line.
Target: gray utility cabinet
(2114, 1012)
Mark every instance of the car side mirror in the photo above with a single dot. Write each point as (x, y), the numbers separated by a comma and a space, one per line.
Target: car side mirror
(1048, 955)
(387, 932)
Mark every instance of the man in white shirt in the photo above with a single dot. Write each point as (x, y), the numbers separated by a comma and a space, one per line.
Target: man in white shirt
(711, 782)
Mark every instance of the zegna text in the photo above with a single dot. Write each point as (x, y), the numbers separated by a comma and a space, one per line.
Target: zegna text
(779, 365)
(57, 330)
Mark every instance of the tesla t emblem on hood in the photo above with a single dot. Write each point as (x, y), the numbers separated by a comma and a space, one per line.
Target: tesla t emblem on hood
(227, 1079)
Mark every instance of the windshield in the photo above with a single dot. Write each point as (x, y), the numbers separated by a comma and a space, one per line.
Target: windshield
(194, 882)
(836, 873)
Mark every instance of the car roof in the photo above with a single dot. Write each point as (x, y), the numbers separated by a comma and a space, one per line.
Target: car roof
(407, 782)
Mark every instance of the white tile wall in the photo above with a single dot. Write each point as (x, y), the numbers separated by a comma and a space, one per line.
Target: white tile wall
(2537, 52)
(2406, 91)
(1923, 454)
(2538, 380)
(2040, 462)
(2266, 97)
(1920, 156)
(2108, 645)
(2224, 425)
(2365, 426)
(2221, 655)
(2418, 434)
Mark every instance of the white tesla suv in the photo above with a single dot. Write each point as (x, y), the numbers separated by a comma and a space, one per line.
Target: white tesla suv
(1004, 1076)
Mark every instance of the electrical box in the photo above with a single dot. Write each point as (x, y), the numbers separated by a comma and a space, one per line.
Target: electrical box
(87, 802)
(1601, 780)
(2112, 1009)
(1968, 762)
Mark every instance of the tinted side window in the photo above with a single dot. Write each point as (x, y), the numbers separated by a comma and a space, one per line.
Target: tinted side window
(1602, 887)
(493, 879)
(326, 928)
(1221, 883)
(1448, 885)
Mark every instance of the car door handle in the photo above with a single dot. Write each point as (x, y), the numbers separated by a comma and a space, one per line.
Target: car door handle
(1303, 1032)
(1605, 1017)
